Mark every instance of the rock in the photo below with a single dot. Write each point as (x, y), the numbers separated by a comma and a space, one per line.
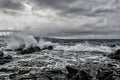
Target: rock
(29, 50)
(55, 71)
(108, 74)
(12, 76)
(6, 59)
(113, 45)
(103, 74)
(56, 74)
(75, 74)
(72, 71)
(2, 61)
(23, 72)
(84, 75)
(3, 70)
(50, 47)
(1, 54)
(115, 55)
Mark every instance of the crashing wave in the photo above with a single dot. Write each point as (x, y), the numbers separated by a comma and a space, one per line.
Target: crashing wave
(24, 40)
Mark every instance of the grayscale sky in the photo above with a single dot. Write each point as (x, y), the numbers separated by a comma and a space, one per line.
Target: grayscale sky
(62, 18)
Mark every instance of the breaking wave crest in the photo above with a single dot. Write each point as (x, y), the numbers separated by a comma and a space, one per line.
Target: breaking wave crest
(26, 41)
(86, 47)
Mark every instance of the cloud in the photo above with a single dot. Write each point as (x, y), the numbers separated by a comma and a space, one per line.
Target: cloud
(10, 4)
(80, 7)
(61, 17)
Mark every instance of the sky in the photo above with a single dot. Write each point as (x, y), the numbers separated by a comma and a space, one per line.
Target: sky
(68, 19)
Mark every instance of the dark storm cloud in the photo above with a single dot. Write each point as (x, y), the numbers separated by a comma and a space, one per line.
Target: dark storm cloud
(85, 7)
(58, 4)
(10, 4)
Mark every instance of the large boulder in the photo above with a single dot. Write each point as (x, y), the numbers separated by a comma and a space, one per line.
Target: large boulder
(115, 55)
(76, 74)
(108, 74)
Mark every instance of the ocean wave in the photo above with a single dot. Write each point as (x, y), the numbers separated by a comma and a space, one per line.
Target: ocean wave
(26, 41)
(86, 47)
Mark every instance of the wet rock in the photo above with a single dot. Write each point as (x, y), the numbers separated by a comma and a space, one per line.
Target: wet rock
(55, 71)
(29, 50)
(108, 74)
(113, 45)
(6, 70)
(75, 74)
(3, 70)
(84, 75)
(48, 48)
(1, 54)
(23, 72)
(55, 75)
(72, 71)
(115, 55)
(6, 59)
(103, 74)
(12, 76)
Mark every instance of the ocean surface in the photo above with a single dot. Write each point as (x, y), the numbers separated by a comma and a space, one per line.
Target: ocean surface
(78, 52)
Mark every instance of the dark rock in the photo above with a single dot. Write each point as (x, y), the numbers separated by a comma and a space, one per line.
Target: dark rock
(55, 71)
(2, 61)
(107, 74)
(55, 75)
(113, 45)
(23, 72)
(72, 71)
(29, 50)
(6, 59)
(75, 74)
(50, 47)
(84, 75)
(115, 55)
(12, 76)
(3, 70)
(8, 50)
(1, 54)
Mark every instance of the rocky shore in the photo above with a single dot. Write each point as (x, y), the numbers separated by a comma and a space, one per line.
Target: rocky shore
(88, 71)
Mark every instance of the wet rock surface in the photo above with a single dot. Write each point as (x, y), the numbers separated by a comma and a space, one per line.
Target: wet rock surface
(4, 59)
(33, 49)
(50, 65)
(115, 55)
(29, 50)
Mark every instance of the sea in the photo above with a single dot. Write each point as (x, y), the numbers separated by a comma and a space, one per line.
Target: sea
(86, 53)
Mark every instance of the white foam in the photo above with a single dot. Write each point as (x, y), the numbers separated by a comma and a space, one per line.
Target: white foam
(42, 43)
(85, 47)
(19, 39)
